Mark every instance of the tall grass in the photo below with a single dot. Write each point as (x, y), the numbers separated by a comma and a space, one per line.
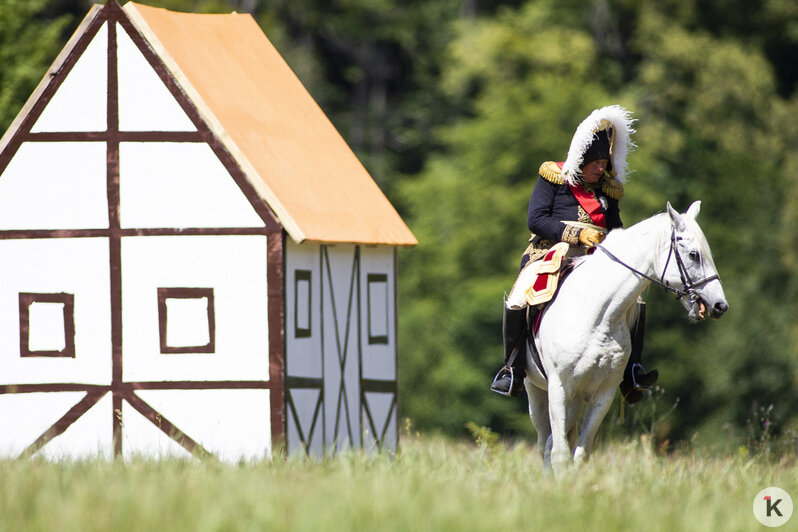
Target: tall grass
(432, 484)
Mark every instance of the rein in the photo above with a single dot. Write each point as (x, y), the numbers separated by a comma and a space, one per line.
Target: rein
(688, 284)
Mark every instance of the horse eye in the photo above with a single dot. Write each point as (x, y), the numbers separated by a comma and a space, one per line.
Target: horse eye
(694, 255)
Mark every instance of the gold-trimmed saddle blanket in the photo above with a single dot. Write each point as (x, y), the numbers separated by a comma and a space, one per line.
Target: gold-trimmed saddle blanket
(544, 287)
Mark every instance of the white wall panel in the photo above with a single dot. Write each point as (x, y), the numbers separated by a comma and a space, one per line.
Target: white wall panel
(304, 402)
(303, 353)
(90, 436)
(47, 326)
(341, 356)
(142, 439)
(145, 104)
(234, 267)
(165, 184)
(231, 424)
(26, 416)
(382, 409)
(80, 103)
(55, 185)
(77, 266)
(379, 358)
(390, 440)
(188, 321)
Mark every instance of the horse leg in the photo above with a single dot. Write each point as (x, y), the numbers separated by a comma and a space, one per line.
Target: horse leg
(539, 414)
(573, 426)
(547, 454)
(558, 414)
(593, 417)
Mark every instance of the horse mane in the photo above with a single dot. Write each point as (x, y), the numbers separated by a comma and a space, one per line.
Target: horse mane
(615, 237)
(643, 227)
(656, 227)
(653, 229)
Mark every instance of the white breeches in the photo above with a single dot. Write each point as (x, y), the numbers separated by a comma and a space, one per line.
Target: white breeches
(517, 297)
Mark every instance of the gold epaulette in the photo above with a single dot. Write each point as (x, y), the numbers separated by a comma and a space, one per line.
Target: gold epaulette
(612, 188)
(550, 171)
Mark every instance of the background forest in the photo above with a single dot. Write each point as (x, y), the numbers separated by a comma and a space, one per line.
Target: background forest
(453, 104)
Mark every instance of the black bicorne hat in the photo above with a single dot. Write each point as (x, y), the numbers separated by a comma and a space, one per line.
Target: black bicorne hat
(599, 149)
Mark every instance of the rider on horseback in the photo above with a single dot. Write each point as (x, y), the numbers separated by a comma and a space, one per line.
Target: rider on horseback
(574, 202)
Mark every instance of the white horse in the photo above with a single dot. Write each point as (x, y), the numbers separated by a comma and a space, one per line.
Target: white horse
(584, 340)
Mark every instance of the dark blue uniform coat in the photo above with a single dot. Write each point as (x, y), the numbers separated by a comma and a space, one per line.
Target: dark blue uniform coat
(551, 204)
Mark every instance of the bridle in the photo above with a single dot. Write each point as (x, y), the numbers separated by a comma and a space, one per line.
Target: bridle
(689, 286)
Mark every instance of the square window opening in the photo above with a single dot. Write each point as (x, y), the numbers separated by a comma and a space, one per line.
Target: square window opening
(187, 322)
(47, 325)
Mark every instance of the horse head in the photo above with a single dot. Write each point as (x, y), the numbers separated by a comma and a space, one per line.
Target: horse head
(689, 265)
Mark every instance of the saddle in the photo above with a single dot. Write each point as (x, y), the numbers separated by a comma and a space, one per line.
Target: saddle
(550, 270)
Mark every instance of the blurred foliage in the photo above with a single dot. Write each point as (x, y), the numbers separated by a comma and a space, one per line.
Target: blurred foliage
(453, 104)
(27, 47)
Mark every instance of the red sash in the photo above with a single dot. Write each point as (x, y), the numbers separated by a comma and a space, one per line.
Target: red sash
(588, 202)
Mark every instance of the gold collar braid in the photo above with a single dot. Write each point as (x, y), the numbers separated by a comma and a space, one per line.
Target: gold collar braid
(551, 172)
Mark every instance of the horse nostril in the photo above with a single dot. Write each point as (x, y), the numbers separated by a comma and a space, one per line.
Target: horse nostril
(721, 307)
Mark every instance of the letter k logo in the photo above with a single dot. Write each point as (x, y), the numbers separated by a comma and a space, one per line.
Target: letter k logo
(773, 506)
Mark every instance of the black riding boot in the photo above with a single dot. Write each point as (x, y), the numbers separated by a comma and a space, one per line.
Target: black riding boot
(510, 379)
(635, 377)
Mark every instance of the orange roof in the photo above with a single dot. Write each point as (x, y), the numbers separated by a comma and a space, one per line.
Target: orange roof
(289, 150)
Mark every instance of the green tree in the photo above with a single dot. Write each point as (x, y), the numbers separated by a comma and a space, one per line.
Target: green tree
(27, 46)
(515, 78)
(712, 127)
(372, 67)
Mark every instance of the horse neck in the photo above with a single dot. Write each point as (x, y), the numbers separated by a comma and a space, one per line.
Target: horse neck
(640, 246)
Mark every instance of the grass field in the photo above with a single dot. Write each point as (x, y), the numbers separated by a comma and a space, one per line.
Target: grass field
(432, 484)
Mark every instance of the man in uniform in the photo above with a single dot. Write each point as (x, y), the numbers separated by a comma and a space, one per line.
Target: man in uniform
(575, 202)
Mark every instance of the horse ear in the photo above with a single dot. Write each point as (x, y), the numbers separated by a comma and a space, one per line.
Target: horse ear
(694, 209)
(676, 218)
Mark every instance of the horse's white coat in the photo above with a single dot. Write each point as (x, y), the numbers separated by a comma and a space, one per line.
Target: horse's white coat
(584, 339)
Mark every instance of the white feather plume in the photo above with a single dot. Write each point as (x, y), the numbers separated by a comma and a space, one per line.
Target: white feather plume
(621, 121)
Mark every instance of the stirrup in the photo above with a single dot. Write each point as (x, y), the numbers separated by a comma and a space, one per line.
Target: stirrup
(514, 390)
(636, 385)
